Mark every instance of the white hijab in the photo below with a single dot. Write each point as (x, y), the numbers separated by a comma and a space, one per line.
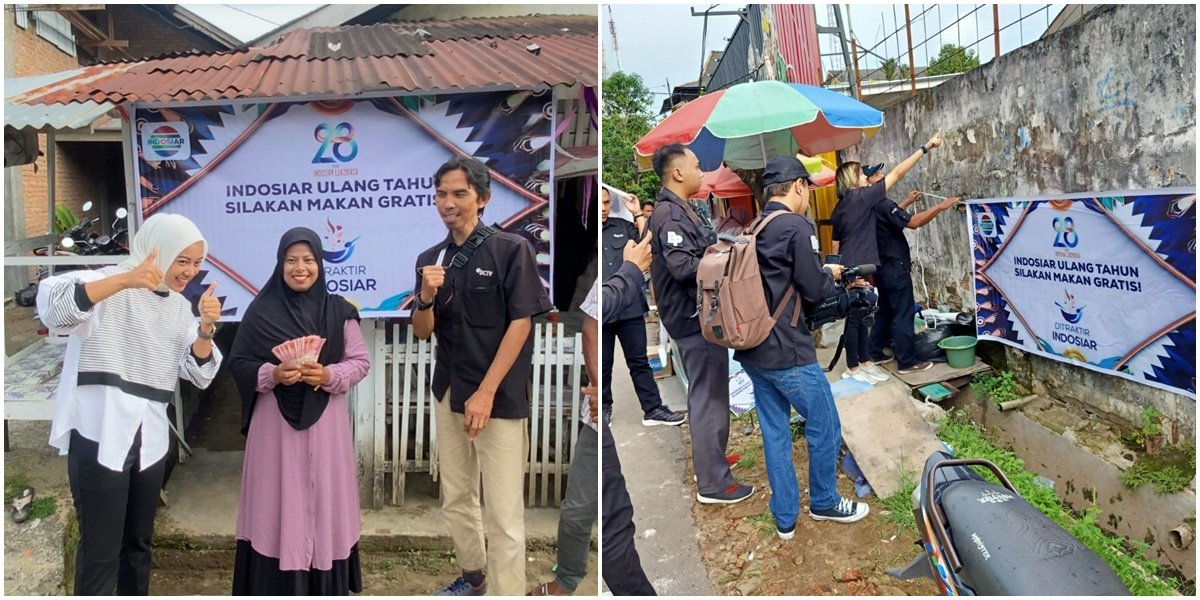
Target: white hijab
(171, 234)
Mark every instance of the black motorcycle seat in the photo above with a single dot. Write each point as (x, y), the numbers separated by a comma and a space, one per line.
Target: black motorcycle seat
(1009, 548)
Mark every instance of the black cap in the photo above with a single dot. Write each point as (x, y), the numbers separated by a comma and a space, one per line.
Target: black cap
(870, 170)
(783, 169)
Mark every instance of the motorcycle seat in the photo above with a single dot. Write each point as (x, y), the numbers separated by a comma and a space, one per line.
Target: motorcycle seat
(1008, 547)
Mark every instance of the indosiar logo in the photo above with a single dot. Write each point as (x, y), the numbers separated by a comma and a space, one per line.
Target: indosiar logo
(166, 141)
(1067, 236)
(337, 143)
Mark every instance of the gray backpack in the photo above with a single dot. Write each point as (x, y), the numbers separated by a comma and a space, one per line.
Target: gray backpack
(731, 301)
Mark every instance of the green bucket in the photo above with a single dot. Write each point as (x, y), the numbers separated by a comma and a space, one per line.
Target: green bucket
(960, 351)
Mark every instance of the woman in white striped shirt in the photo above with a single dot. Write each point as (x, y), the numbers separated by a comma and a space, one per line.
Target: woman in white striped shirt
(133, 334)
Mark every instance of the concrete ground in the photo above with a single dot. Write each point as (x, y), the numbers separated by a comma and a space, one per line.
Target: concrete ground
(653, 460)
(202, 514)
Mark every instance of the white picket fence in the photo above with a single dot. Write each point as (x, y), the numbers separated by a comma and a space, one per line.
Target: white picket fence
(395, 434)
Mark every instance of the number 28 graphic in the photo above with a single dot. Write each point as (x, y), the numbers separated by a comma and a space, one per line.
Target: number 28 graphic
(337, 140)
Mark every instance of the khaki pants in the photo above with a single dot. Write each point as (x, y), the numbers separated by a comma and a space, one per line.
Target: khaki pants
(498, 453)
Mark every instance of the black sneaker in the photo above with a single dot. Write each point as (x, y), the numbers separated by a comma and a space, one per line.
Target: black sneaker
(785, 533)
(845, 511)
(921, 366)
(461, 587)
(662, 415)
(732, 495)
(882, 360)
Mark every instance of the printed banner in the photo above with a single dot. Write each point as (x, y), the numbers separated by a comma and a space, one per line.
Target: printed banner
(1107, 281)
(358, 172)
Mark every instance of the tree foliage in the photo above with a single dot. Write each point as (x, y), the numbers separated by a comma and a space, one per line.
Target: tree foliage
(626, 118)
(953, 59)
(892, 69)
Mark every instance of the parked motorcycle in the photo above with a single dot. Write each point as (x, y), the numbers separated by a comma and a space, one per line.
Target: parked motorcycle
(983, 539)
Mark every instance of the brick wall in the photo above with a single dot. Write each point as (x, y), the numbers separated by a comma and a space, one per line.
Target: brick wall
(35, 56)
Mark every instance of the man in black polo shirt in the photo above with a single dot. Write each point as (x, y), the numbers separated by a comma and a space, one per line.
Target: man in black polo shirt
(680, 236)
(630, 324)
(784, 367)
(894, 277)
(481, 310)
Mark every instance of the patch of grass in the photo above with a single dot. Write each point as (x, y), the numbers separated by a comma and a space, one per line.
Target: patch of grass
(797, 431)
(43, 507)
(422, 561)
(747, 461)
(1126, 557)
(13, 484)
(1000, 387)
(1169, 472)
(764, 522)
(900, 505)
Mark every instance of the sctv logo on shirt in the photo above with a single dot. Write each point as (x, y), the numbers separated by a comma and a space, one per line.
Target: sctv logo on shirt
(1065, 234)
(337, 143)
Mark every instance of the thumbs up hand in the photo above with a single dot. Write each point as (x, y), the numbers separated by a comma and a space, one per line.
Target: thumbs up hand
(146, 275)
(210, 307)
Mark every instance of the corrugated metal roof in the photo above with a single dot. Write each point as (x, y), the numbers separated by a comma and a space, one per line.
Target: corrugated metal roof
(52, 116)
(347, 61)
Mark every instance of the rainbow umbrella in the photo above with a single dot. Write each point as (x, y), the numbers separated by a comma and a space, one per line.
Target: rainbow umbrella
(750, 123)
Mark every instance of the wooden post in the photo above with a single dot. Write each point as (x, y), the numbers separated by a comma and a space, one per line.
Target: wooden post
(857, 73)
(912, 68)
(996, 28)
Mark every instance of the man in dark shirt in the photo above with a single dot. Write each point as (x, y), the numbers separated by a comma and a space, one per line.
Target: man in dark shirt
(481, 310)
(784, 367)
(679, 239)
(894, 278)
(630, 324)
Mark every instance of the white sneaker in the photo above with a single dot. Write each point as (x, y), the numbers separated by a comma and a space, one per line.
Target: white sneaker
(860, 376)
(874, 371)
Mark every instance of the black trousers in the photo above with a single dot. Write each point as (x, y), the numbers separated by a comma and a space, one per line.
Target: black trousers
(622, 567)
(857, 332)
(895, 316)
(116, 519)
(632, 333)
(707, 369)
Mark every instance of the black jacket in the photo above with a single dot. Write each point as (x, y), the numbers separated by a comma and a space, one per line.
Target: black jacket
(613, 237)
(677, 246)
(787, 255)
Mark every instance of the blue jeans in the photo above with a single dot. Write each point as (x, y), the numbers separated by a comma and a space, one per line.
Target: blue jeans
(776, 391)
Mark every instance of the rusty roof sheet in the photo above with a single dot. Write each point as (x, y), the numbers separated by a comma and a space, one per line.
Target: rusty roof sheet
(519, 52)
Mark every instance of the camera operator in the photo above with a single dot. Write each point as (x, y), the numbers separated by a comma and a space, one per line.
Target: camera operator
(784, 367)
(856, 229)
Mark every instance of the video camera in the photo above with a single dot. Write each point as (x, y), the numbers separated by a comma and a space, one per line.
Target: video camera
(845, 298)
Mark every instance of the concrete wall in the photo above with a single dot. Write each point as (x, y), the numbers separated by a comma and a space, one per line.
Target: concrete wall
(1108, 104)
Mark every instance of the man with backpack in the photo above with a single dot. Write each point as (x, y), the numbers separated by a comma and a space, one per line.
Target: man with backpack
(680, 237)
(783, 368)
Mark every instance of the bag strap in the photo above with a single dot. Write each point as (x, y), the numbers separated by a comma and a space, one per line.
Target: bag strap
(754, 228)
(470, 246)
(688, 210)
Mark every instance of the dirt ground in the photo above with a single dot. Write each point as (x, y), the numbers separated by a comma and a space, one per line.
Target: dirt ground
(194, 571)
(744, 556)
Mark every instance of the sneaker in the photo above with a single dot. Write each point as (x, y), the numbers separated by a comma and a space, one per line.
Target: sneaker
(860, 376)
(732, 495)
(921, 366)
(845, 511)
(461, 587)
(874, 371)
(662, 415)
(785, 534)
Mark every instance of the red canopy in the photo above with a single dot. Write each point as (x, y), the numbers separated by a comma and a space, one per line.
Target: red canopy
(722, 183)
